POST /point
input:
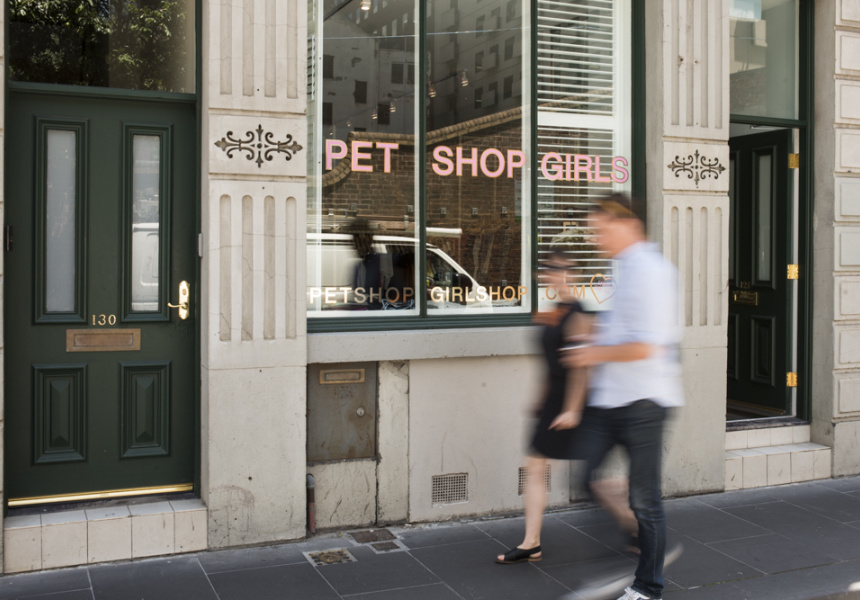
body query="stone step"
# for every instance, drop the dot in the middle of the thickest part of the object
(68, 538)
(776, 465)
(768, 436)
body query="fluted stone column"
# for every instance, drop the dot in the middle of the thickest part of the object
(254, 349)
(687, 131)
(836, 237)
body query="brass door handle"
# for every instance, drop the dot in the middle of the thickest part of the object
(184, 294)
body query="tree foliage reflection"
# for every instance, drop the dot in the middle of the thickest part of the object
(130, 44)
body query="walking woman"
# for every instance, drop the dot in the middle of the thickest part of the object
(559, 406)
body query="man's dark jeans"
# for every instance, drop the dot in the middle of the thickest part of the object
(637, 427)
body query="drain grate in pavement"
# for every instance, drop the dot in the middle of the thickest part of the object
(385, 546)
(372, 535)
(388, 547)
(335, 556)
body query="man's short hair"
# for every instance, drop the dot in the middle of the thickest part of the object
(616, 206)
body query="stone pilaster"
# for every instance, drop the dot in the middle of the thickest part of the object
(254, 350)
(836, 320)
(687, 99)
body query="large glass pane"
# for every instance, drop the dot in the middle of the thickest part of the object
(763, 58)
(146, 210)
(60, 215)
(583, 91)
(362, 236)
(131, 44)
(477, 176)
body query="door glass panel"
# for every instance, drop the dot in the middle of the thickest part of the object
(763, 217)
(146, 209)
(763, 57)
(60, 215)
(129, 44)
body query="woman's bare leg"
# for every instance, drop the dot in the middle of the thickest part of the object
(535, 502)
(613, 496)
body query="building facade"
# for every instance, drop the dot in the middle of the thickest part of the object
(215, 242)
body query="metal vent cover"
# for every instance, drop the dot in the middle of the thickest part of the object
(451, 488)
(523, 478)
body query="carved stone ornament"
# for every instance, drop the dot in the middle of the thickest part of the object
(261, 146)
(697, 167)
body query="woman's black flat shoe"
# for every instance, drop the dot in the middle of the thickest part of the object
(515, 555)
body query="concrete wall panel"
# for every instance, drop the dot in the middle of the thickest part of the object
(255, 462)
(393, 442)
(469, 416)
(345, 493)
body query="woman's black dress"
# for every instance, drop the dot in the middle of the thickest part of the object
(557, 443)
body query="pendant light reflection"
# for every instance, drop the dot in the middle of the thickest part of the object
(464, 81)
(431, 90)
(365, 4)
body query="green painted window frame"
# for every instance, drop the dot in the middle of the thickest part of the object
(80, 128)
(165, 135)
(423, 321)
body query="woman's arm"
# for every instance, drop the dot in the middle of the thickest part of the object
(576, 388)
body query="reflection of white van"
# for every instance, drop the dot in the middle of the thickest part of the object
(338, 278)
(144, 267)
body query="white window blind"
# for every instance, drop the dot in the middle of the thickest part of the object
(583, 96)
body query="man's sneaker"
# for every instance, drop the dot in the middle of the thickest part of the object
(631, 594)
(602, 586)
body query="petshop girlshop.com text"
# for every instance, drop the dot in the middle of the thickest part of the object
(490, 162)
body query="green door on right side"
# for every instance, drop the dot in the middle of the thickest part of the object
(759, 318)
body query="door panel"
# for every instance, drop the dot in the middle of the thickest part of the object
(100, 372)
(759, 249)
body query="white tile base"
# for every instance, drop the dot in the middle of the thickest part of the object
(73, 538)
(759, 466)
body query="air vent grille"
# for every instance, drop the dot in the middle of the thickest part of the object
(451, 488)
(523, 479)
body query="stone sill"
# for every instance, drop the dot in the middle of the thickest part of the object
(86, 536)
(421, 344)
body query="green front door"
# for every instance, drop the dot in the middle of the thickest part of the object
(100, 371)
(758, 353)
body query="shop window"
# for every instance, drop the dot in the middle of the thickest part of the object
(360, 93)
(328, 66)
(496, 18)
(511, 10)
(584, 120)
(383, 111)
(328, 113)
(763, 58)
(491, 97)
(409, 230)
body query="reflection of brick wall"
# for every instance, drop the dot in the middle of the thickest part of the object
(490, 246)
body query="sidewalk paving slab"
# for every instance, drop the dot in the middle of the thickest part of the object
(794, 542)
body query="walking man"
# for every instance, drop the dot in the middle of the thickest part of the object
(636, 378)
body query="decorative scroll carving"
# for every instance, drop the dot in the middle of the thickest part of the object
(260, 146)
(697, 167)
